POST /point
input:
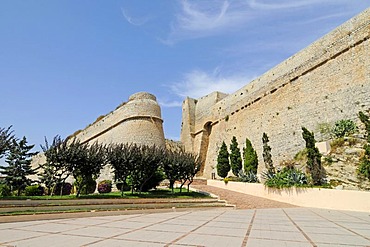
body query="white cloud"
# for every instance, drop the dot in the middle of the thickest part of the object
(285, 4)
(134, 21)
(205, 18)
(165, 103)
(198, 83)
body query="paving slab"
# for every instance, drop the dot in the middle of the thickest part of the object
(245, 227)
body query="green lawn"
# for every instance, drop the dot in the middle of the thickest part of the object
(159, 193)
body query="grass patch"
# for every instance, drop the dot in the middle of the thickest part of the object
(160, 193)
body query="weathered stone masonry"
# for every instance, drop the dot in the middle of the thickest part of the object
(326, 82)
(137, 121)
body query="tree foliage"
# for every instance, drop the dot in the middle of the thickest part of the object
(137, 166)
(366, 121)
(121, 160)
(250, 158)
(19, 165)
(86, 164)
(6, 140)
(181, 166)
(235, 157)
(313, 158)
(223, 165)
(57, 169)
(267, 157)
(71, 157)
(364, 168)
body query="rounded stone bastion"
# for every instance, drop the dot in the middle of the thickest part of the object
(136, 121)
(142, 122)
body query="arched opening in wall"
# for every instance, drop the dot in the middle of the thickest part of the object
(207, 129)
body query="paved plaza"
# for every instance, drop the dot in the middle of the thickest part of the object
(215, 227)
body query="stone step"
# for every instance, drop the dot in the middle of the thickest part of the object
(49, 206)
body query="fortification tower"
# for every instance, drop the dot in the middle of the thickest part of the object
(136, 121)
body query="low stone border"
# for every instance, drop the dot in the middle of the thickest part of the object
(304, 197)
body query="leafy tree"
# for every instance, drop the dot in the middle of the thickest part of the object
(313, 158)
(121, 158)
(173, 166)
(192, 168)
(235, 157)
(223, 165)
(47, 177)
(364, 168)
(6, 137)
(250, 158)
(267, 157)
(57, 168)
(19, 165)
(86, 163)
(180, 166)
(146, 172)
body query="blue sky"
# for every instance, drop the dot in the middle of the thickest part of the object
(64, 63)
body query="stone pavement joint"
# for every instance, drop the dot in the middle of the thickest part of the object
(344, 226)
(134, 230)
(300, 229)
(278, 227)
(245, 240)
(205, 223)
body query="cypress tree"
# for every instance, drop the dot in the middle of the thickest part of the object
(235, 157)
(364, 168)
(313, 157)
(223, 165)
(267, 157)
(250, 158)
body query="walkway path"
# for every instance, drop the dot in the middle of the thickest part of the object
(242, 201)
(298, 227)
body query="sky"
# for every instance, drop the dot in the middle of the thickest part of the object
(64, 63)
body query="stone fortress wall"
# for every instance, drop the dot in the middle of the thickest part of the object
(327, 81)
(136, 121)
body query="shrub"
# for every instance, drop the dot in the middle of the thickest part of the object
(301, 155)
(154, 181)
(66, 189)
(122, 186)
(343, 128)
(285, 178)
(364, 168)
(34, 190)
(250, 177)
(87, 188)
(5, 190)
(334, 144)
(105, 186)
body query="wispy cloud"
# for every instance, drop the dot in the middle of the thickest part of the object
(168, 104)
(136, 21)
(198, 83)
(205, 18)
(285, 4)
